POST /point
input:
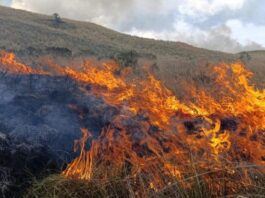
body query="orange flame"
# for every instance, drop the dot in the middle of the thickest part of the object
(10, 65)
(83, 164)
(232, 97)
(224, 122)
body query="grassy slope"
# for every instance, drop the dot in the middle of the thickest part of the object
(23, 31)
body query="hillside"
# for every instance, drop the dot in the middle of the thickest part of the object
(30, 34)
(24, 30)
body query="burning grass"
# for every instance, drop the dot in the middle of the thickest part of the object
(212, 142)
(222, 127)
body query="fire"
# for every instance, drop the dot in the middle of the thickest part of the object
(232, 97)
(161, 137)
(10, 65)
(83, 164)
(148, 95)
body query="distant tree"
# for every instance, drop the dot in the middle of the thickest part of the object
(57, 19)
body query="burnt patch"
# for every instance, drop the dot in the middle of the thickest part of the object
(20, 162)
(60, 96)
(29, 102)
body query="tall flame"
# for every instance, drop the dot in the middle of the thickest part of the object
(231, 97)
(160, 136)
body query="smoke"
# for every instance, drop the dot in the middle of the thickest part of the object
(204, 23)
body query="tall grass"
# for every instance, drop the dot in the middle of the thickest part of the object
(243, 180)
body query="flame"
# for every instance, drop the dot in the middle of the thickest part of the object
(10, 65)
(231, 97)
(86, 158)
(160, 136)
(236, 99)
(149, 95)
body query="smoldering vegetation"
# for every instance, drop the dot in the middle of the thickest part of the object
(38, 127)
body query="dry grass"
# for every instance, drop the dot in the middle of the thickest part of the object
(207, 184)
(57, 186)
(30, 34)
(21, 30)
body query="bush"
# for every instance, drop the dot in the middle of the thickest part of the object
(126, 59)
(57, 19)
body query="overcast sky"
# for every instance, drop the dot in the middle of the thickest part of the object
(226, 25)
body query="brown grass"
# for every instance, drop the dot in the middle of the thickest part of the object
(31, 35)
(246, 180)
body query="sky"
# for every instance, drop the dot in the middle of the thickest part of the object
(224, 25)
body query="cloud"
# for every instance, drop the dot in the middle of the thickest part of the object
(218, 38)
(206, 7)
(103, 12)
(224, 25)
